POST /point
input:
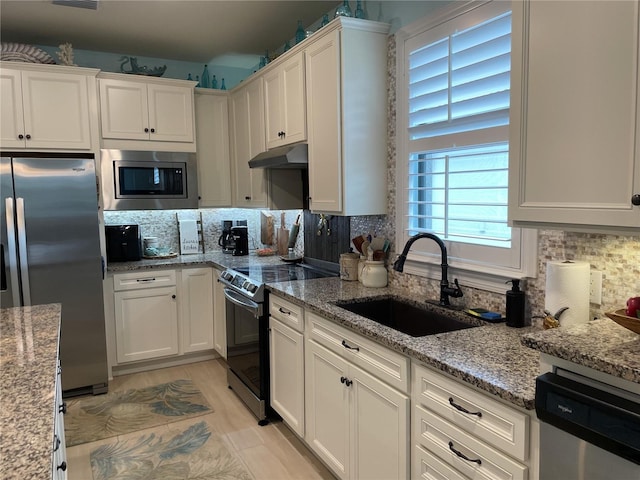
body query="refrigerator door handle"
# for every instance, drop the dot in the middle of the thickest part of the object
(11, 250)
(22, 249)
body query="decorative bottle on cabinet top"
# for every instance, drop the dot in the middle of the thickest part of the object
(343, 10)
(223, 86)
(204, 82)
(214, 82)
(300, 32)
(359, 10)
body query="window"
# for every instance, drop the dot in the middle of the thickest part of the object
(453, 144)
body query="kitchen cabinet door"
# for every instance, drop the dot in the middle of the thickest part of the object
(124, 111)
(140, 109)
(286, 351)
(575, 133)
(327, 408)
(379, 428)
(196, 300)
(285, 111)
(347, 118)
(219, 318)
(146, 323)
(46, 109)
(247, 114)
(212, 148)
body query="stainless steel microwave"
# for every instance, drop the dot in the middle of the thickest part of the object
(140, 180)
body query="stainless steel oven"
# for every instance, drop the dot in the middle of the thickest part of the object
(248, 329)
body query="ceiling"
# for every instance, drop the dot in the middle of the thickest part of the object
(187, 30)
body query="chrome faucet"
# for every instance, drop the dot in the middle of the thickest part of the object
(446, 291)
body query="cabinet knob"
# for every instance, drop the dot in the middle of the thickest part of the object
(63, 466)
(21, 137)
(27, 136)
(173, 296)
(635, 199)
(153, 130)
(146, 130)
(247, 198)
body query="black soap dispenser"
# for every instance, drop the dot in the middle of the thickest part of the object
(515, 305)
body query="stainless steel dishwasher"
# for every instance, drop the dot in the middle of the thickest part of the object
(588, 430)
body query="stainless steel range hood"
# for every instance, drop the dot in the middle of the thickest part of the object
(289, 156)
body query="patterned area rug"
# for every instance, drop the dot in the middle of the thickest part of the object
(184, 452)
(94, 418)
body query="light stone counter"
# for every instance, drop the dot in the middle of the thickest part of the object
(600, 344)
(29, 357)
(491, 356)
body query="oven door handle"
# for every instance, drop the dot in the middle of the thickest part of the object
(242, 301)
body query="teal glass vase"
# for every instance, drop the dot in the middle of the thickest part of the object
(325, 20)
(198, 80)
(214, 82)
(344, 10)
(204, 82)
(300, 32)
(222, 85)
(359, 10)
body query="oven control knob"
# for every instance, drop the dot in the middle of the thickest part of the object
(227, 276)
(252, 288)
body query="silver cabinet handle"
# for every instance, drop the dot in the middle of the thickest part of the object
(13, 253)
(22, 250)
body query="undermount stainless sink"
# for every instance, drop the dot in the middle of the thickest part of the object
(404, 316)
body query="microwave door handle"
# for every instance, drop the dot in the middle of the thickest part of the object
(22, 249)
(237, 299)
(11, 250)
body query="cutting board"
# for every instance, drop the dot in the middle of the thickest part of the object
(283, 237)
(266, 228)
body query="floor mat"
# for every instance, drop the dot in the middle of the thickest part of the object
(182, 452)
(93, 418)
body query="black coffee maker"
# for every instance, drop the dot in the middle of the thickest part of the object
(226, 240)
(240, 236)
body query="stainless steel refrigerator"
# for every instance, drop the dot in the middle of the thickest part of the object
(51, 254)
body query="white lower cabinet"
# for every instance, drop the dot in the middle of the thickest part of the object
(146, 323)
(459, 433)
(219, 318)
(162, 313)
(59, 452)
(286, 360)
(355, 422)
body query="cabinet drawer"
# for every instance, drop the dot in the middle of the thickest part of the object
(146, 279)
(429, 467)
(445, 439)
(387, 365)
(497, 424)
(288, 313)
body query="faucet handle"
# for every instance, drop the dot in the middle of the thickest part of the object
(457, 291)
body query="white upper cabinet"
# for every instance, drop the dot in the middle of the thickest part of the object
(148, 110)
(575, 130)
(47, 107)
(346, 95)
(212, 147)
(285, 116)
(247, 140)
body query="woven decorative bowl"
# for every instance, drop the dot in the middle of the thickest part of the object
(625, 321)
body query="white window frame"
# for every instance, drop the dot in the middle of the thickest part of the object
(424, 257)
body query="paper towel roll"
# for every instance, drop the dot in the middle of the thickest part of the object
(568, 286)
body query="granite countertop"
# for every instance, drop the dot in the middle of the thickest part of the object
(599, 344)
(29, 355)
(491, 357)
